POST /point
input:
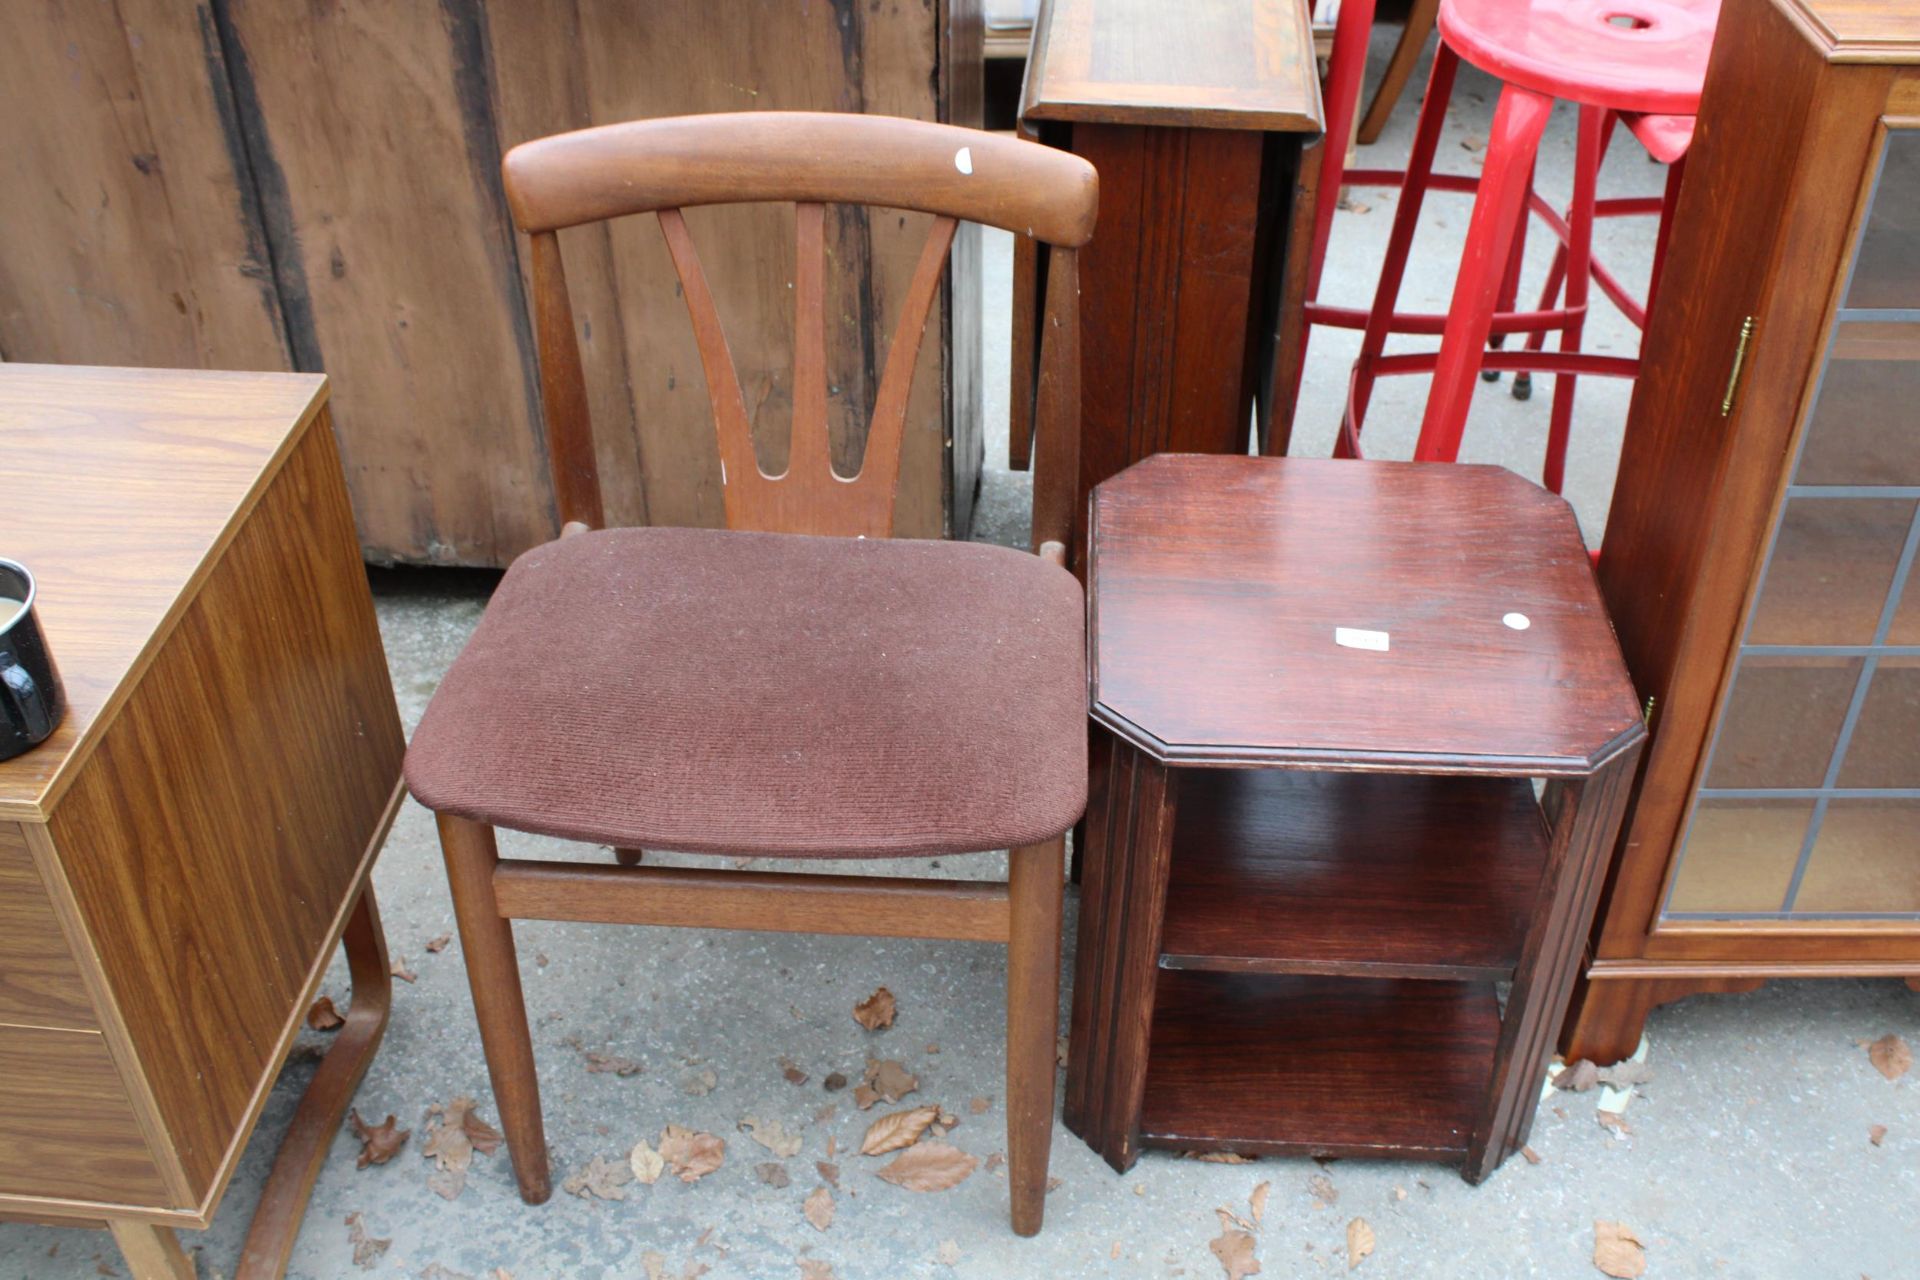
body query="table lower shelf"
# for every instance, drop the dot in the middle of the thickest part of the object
(1317, 1065)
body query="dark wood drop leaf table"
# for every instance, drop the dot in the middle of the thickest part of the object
(1369, 744)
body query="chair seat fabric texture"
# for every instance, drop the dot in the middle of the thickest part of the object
(762, 694)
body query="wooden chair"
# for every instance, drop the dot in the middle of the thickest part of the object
(748, 691)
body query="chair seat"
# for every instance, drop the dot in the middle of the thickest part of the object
(767, 694)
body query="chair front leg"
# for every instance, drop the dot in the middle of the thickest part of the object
(494, 973)
(1034, 892)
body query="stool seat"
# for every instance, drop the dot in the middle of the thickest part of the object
(1646, 56)
(1666, 138)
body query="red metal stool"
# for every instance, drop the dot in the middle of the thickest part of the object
(1640, 62)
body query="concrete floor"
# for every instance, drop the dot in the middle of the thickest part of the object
(1748, 1155)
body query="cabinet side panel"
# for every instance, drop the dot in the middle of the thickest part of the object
(224, 818)
(1760, 232)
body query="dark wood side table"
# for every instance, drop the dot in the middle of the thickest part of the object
(1316, 847)
(1195, 116)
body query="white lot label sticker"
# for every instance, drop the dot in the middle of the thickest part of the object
(963, 159)
(1358, 638)
(1518, 621)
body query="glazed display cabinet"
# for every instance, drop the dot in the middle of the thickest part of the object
(1760, 556)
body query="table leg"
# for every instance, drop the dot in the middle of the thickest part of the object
(151, 1253)
(1116, 961)
(1585, 816)
(304, 1149)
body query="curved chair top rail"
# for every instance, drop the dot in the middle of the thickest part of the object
(804, 156)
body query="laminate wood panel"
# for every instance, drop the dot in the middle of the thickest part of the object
(66, 1128)
(1233, 64)
(39, 983)
(1318, 1066)
(217, 799)
(1227, 565)
(121, 486)
(1380, 875)
(131, 236)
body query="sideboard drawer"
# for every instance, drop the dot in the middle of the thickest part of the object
(67, 1130)
(39, 984)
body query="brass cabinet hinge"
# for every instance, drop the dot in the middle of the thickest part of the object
(1646, 712)
(1739, 363)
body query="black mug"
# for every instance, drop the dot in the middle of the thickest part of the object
(30, 701)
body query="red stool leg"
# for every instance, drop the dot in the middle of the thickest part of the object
(1406, 218)
(1518, 123)
(1345, 71)
(1557, 273)
(1594, 122)
(1510, 284)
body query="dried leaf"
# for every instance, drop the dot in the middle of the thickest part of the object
(890, 1080)
(875, 1013)
(1359, 1242)
(834, 1082)
(400, 970)
(691, 1156)
(994, 1161)
(1235, 1251)
(815, 1269)
(700, 1083)
(791, 1070)
(1533, 1157)
(1617, 1251)
(929, 1166)
(646, 1163)
(1577, 1077)
(654, 1264)
(366, 1249)
(1257, 1201)
(864, 1097)
(1625, 1074)
(447, 1183)
(897, 1130)
(980, 1106)
(819, 1208)
(948, 1254)
(772, 1135)
(603, 1064)
(324, 1017)
(604, 1178)
(441, 1271)
(1614, 1122)
(1217, 1157)
(1889, 1054)
(1229, 1220)
(379, 1143)
(1877, 1134)
(831, 1172)
(484, 1137)
(1324, 1193)
(773, 1174)
(439, 944)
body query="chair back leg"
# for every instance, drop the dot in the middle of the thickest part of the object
(1035, 885)
(486, 939)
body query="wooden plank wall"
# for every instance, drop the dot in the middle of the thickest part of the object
(253, 184)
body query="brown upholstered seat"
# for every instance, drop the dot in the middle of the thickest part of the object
(767, 694)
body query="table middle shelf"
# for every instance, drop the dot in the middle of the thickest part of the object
(1352, 874)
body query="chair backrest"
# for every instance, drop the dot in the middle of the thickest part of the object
(811, 159)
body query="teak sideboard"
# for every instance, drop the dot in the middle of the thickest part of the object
(1760, 559)
(179, 859)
